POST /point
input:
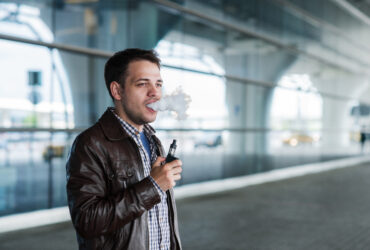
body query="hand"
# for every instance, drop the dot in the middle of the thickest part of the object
(166, 175)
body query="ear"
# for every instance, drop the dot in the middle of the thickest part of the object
(116, 90)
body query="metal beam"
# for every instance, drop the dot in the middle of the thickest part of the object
(63, 47)
(243, 30)
(353, 11)
(321, 24)
(104, 54)
(233, 130)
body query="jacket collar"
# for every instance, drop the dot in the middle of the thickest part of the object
(113, 129)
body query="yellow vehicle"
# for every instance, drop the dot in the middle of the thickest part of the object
(355, 136)
(297, 139)
(53, 151)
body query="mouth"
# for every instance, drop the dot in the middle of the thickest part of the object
(151, 101)
(151, 110)
(147, 105)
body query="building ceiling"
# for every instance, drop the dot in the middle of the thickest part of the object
(362, 5)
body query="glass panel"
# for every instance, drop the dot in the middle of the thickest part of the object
(32, 167)
(238, 122)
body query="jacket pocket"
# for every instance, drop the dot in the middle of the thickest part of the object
(124, 169)
(122, 174)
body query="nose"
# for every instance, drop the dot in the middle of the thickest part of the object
(153, 91)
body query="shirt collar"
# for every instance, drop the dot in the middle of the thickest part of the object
(148, 130)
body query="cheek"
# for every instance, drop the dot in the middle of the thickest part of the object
(132, 97)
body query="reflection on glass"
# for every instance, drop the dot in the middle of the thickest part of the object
(27, 161)
(291, 109)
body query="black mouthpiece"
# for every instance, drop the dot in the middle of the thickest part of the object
(173, 145)
(171, 152)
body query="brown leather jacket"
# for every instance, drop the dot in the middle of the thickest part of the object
(108, 196)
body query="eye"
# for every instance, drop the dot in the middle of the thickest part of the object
(140, 84)
(159, 85)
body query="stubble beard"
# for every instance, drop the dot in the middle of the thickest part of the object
(135, 117)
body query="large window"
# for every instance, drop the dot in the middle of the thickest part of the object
(35, 90)
(271, 85)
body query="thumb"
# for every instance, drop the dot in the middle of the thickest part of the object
(158, 161)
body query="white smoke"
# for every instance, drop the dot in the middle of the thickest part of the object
(178, 101)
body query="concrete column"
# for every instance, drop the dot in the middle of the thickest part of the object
(249, 105)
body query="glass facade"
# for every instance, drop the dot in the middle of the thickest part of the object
(273, 83)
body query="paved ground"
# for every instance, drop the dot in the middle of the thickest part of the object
(329, 210)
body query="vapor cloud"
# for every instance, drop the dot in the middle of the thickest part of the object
(178, 102)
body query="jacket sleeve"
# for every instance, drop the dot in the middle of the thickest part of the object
(93, 210)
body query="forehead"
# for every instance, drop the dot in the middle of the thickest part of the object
(142, 68)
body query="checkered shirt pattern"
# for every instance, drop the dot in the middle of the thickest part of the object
(159, 228)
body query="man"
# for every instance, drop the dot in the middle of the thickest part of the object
(119, 187)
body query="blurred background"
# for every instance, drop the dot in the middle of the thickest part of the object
(273, 83)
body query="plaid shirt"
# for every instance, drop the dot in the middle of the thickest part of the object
(159, 228)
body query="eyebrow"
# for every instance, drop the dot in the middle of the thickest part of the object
(147, 80)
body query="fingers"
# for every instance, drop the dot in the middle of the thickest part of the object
(174, 167)
(174, 163)
(176, 170)
(166, 174)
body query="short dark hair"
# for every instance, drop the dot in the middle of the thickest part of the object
(116, 67)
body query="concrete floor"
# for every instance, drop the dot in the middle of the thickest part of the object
(329, 210)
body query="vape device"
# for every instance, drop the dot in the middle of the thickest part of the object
(171, 152)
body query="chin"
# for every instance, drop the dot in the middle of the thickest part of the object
(151, 118)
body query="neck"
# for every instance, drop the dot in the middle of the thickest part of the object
(122, 114)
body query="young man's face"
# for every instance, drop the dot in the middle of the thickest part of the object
(143, 85)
